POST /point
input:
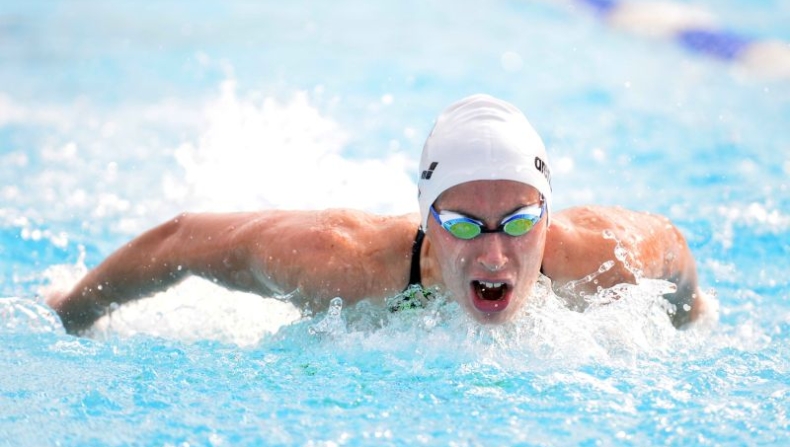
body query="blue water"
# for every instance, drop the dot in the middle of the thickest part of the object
(116, 116)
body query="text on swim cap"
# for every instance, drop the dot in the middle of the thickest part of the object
(541, 166)
(426, 175)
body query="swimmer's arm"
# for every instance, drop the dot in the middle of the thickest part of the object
(157, 259)
(304, 255)
(576, 249)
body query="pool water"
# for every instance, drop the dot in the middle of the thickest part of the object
(117, 116)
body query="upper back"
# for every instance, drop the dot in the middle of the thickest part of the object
(335, 252)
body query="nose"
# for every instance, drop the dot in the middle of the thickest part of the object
(492, 254)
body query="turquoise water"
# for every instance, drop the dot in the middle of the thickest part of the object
(114, 117)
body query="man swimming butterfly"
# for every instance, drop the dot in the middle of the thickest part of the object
(485, 232)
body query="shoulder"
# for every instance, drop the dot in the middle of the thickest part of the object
(594, 217)
(294, 231)
(354, 254)
(581, 238)
(349, 224)
(589, 225)
(369, 234)
(575, 242)
(298, 229)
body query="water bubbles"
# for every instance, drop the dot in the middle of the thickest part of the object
(599, 155)
(335, 306)
(606, 266)
(25, 315)
(333, 323)
(622, 254)
(198, 310)
(65, 153)
(576, 287)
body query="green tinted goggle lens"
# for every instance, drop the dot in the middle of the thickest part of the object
(463, 230)
(463, 227)
(518, 226)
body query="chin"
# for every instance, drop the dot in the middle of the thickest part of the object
(486, 309)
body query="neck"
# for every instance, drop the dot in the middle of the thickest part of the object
(429, 265)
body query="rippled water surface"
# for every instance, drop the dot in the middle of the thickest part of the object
(116, 116)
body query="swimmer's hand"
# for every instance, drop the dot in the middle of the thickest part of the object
(53, 298)
(76, 315)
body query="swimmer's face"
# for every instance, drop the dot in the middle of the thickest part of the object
(492, 275)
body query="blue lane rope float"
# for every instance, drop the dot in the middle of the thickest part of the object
(697, 31)
(720, 44)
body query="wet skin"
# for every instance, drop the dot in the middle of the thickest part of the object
(492, 275)
(313, 256)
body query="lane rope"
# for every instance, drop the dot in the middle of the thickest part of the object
(696, 30)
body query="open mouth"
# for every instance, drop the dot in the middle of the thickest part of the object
(490, 291)
(490, 296)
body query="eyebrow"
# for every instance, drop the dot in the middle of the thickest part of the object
(509, 213)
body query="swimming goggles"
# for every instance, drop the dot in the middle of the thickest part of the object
(516, 224)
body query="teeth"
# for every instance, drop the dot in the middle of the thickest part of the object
(492, 285)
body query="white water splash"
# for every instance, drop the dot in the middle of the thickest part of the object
(617, 325)
(333, 323)
(25, 315)
(263, 153)
(622, 254)
(546, 333)
(197, 309)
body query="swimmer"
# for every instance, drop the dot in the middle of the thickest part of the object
(485, 232)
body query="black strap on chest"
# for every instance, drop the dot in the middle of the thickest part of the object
(415, 277)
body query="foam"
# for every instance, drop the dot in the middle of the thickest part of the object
(260, 154)
(196, 310)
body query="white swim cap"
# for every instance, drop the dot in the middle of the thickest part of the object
(481, 138)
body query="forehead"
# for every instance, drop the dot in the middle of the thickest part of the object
(488, 196)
